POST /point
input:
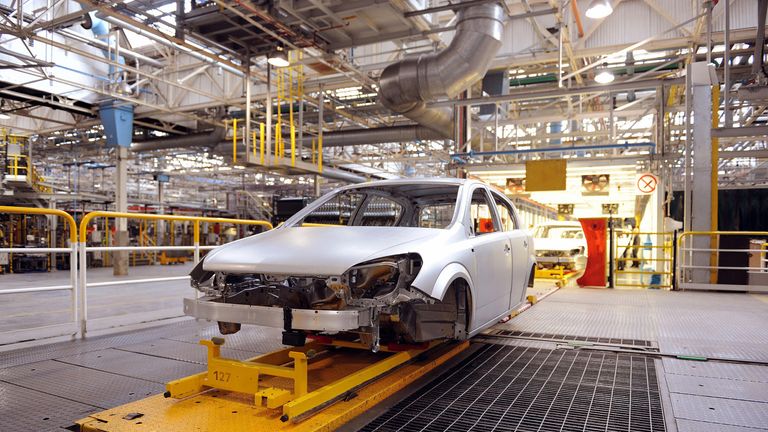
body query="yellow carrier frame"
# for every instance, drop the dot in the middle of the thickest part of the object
(316, 387)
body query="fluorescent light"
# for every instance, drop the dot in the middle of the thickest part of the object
(4, 116)
(278, 59)
(599, 9)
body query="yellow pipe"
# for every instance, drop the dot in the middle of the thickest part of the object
(289, 73)
(88, 217)
(293, 144)
(234, 140)
(51, 212)
(262, 130)
(314, 157)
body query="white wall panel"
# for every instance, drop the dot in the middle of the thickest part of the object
(519, 36)
(743, 15)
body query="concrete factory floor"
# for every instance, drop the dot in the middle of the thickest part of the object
(47, 387)
(28, 310)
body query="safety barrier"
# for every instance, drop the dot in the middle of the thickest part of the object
(78, 251)
(83, 250)
(650, 263)
(742, 265)
(70, 327)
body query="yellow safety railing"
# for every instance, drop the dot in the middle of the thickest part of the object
(84, 249)
(196, 220)
(48, 212)
(47, 331)
(78, 263)
(658, 265)
(698, 261)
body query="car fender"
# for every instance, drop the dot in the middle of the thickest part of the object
(450, 273)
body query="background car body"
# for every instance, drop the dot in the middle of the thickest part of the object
(560, 243)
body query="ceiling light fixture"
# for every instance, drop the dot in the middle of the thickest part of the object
(278, 59)
(604, 76)
(4, 116)
(599, 9)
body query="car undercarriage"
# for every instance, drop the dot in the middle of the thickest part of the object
(396, 311)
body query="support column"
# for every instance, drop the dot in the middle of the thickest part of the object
(268, 103)
(52, 222)
(248, 103)
(703, 77)
(120, 259)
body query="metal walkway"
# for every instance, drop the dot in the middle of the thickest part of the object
(532, 389)
(47, 388)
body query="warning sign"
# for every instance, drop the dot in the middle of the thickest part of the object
(646, 183)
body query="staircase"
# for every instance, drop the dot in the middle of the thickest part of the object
(251, 206)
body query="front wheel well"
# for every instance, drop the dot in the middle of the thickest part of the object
(458, 292)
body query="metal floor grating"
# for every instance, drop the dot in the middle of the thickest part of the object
(560, 337)
(518, 388)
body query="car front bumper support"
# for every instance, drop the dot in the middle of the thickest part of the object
(556, 260)
(302, 319)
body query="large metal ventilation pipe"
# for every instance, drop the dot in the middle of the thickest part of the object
(206, 139)
(375, 136)
(407, 86)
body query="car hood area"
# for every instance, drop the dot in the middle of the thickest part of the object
(548, 244)
(325, 251)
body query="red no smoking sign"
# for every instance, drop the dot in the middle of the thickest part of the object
(646, 183)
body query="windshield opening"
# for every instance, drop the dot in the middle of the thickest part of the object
(402, 205)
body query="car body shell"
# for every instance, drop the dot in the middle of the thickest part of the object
(567, 252)
(496, 266)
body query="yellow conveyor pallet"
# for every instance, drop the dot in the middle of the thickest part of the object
(342, 381)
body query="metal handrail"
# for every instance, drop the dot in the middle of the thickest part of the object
(714, 265)
(72, 250)
(78, 250)
(49, 212)
(667, 270)
(83, 248)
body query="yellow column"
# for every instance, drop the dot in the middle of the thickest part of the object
(293, 144)
(262, 130)
(234, 140)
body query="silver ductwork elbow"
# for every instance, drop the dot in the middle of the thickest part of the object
(407, 86)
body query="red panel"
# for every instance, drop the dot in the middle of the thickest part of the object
(595, 231)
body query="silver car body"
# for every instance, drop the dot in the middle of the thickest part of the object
(561, 243)
(496, 266)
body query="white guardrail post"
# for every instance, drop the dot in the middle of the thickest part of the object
(82, 302)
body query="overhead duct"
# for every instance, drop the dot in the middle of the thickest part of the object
(209, 139)
(407, 86)
(375, 136)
